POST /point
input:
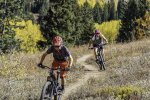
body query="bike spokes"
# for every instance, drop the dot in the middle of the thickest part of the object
(47, 91)
(100, 61)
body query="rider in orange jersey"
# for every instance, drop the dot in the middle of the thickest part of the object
(62, 57)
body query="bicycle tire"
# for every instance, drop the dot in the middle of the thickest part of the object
(57, 97)
(101, 60)
(47, 91)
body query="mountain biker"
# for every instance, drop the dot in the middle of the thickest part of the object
(62, 57)
(96, 40)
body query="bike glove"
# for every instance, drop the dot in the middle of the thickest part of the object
(67, 69)
(40, 65)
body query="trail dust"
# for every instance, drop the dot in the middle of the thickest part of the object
(92, 71)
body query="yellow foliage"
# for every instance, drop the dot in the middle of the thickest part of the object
(29, 35)
(92, 2)
(143, 27)
(121, 91)
(109, 29)
(81, 2)
(102, 3)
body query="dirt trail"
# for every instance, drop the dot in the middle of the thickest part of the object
(92, 71)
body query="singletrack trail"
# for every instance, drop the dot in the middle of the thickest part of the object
(92, 71)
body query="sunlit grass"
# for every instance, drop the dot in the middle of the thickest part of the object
(21, 79)
(127, 74)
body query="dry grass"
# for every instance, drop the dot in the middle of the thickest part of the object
(127, 74)
(127, 77)
(20, 79)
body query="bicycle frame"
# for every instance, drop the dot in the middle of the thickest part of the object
(100, 57)
(55, 80)
(54, 84)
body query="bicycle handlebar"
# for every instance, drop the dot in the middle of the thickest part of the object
(99, 45)
(43, 66)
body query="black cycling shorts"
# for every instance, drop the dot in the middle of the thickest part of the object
(96, 45)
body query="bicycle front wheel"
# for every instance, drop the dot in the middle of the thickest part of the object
(101, 60)
(47, 91)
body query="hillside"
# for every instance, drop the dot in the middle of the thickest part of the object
(127, 74)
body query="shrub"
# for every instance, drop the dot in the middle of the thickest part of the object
(109, 29)
(29, 34)
(143, 27)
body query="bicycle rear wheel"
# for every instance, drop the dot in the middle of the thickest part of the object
(47, 91)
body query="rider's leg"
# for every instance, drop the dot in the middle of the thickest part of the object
(102, 53)
(55, 65)
(63, 74)
(63, 82)
(95, 53)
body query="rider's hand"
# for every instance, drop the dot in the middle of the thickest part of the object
(90, 47)
(67, 69)
(40, 65)
(106, 42)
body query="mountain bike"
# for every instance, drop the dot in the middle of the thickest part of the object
(100, 57)
(52, 88)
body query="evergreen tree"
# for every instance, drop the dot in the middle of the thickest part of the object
(112, 10)
(105, 12)
(121, 8)
(127, 30)
(9, 10)
(143, 7)
(36, 6)
(87, 23)
(59, 19)
(67, 19)
(97, 13)
(44, 7)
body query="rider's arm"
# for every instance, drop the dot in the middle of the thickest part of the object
(102, 36)
(43, 57)
(70, 60)
(45, 54)
(90, 42)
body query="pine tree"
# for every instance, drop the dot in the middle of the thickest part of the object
(143, 7)
(127, 31)
(87, 23)
(112, 10)
(67, 19)
(97, 13)
(105, 12)
(59, 19)
(44, 7)
(121, 8)
(9, 10)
